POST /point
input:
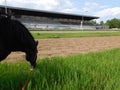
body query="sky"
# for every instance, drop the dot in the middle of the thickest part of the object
(105, 9)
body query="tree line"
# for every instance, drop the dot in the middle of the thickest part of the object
(113, 23)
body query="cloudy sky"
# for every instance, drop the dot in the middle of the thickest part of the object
(105, 9)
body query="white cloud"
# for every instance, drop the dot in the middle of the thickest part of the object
(2, 1)
(92, 6)
(36, 4)
(70, 10)
(66, 6)
(53, 5)
(102, 11)
(108, 13)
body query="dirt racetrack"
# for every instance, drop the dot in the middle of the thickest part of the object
(68, 46)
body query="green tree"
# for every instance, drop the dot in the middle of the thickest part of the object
(101, 23)
(113, 23)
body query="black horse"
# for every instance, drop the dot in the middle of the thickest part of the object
(14, 36)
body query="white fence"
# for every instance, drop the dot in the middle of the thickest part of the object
(57, 26)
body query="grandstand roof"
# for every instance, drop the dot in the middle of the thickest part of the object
(41, 13)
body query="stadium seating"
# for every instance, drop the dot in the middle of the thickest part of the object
(42, 22)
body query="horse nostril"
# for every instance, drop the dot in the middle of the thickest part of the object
(33, 65)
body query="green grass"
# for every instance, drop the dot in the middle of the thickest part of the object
(75, 34)
(92, 71)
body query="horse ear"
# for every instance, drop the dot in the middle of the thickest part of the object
(36, 42)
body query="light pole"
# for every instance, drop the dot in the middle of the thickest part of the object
(6, 7)
(81, 24)
(82, 20)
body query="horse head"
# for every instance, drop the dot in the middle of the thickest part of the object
(31, 55)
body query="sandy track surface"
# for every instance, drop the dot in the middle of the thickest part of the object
(69, 46)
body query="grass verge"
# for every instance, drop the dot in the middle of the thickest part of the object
(39, 35)
(92, 71)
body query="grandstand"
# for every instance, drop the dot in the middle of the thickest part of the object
(51, 23)
(50, 20)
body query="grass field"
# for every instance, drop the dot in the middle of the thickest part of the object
(91, 71)
(71, 34)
